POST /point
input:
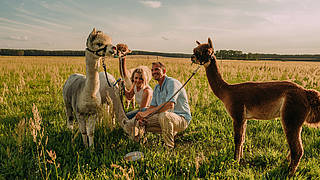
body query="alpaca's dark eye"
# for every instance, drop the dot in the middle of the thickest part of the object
(99, 44)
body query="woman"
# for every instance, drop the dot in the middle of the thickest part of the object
(141, 90)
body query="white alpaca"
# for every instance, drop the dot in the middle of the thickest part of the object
(81, 93)
(105, 99)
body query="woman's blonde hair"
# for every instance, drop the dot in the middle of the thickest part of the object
(141, 72)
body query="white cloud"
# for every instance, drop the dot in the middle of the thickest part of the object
(152, 4)
(39, 18)
(164, 38)
(19, 38)
(44, 22)
(9, 22)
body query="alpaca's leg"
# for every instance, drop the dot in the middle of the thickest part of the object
(244, 127)
(293, 135)
(127, 103)
(133, 102)
(109, 109)
(239, 128)
(296, 148)
(292, 118)
(288, 156)
(83, 130)
(70, 117)
(90, 128)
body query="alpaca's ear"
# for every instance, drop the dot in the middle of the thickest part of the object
(93, 35)
(198, 42)
(94, 31)
(210, 43)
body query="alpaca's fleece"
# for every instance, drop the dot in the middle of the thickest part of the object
(81, 93)
(104, 86)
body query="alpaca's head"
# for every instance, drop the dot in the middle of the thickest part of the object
(122, 50)
(131, 127)
(100, 44)
(203, 53)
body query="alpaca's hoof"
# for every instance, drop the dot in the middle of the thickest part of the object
(288, 156)
(291, 174)
(70, 125)
(292, 171)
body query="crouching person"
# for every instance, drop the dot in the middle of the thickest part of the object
(167, 118)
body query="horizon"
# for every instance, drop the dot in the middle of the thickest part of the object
(255, 26)
(160, 51)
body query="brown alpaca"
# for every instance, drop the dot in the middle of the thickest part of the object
(262, 100)
(122, 51)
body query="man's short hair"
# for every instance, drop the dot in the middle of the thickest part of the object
(162, 66)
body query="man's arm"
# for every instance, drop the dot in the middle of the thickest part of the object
(152, 109)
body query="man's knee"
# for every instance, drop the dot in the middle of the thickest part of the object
(163, 118)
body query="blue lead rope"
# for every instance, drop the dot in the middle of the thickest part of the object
(116, 82)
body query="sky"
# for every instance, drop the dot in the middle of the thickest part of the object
(256, 26)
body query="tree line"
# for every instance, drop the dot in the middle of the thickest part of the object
(35, 52)
(239, 55)
(220, 54)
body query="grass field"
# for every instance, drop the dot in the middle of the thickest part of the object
(36, 144)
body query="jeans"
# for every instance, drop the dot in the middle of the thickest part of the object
(133, 113)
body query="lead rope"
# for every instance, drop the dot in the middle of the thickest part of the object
(122, 93)
(119, 81)
(105, 70)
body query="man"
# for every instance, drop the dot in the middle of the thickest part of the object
(167, 117)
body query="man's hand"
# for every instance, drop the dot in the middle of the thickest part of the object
(140, 117)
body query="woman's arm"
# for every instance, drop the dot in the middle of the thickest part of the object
(129, 94)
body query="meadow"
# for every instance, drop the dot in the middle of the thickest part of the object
(36, 144)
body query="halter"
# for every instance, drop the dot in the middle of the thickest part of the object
(104, 49)
(211, 58)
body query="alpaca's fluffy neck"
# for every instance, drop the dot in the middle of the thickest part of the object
(92, 75)
(123, 67)
(124, 72)
(217, 84)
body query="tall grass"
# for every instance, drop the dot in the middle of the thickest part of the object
(36, 144)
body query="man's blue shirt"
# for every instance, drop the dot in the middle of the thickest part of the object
(163, 94)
